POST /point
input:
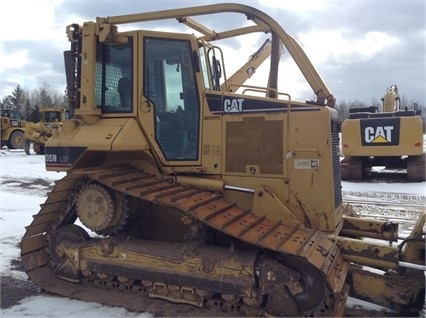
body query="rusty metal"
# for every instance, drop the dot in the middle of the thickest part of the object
(369, 253)
(376, 229)
(391, 290)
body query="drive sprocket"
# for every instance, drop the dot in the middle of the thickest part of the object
(99, 209)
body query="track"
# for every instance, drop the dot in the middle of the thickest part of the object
(204, 206)
(411, 169)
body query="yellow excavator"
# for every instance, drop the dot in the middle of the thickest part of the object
(190, 188)
(391, 138)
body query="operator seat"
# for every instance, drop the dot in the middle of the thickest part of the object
(125, 90)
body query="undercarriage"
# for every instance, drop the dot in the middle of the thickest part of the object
(215, 256)
(411, 168)
(120, 236)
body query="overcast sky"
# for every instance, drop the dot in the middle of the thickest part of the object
(359, 47)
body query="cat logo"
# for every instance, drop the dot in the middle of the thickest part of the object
(234, 105)
(380, 131)
(378, 134)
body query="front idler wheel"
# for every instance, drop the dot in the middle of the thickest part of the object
(313, 296)
(292, 286)
(58, 244)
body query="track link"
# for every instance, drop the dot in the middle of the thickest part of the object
(203, 205)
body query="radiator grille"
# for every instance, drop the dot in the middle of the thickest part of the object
(254, 142)
(337, 183)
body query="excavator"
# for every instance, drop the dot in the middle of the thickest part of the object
(189, 189)
(391, 137)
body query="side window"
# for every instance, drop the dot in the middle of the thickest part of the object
(203, 62)
(113, 86)
(169, 84)
(211, 67)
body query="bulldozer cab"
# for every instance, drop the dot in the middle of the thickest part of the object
(169, 104)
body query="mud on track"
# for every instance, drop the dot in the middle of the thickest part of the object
(14, 290)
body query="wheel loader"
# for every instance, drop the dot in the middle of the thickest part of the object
(391, 138)
(214, 196)
(37, 133)
(12, 129)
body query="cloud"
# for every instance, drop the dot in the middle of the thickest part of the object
(344, 46)
(300, 7)
(358, 47)
(13, 60)
(33, 20)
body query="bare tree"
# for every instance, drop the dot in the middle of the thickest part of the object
(342, 110)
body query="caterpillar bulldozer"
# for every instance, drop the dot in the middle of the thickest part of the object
(391, 138)
(12, 129)
(37, 133)
(214, 196)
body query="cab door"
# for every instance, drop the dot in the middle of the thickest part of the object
(170, 103)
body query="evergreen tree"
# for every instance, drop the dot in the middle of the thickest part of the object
(35, 114)
(18, 99)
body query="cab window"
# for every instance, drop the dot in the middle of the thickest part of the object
(113, 84)
(169, 85)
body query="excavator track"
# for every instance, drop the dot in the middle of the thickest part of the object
(358, 168)
(351, 168)
(206, 207)
(416, 168)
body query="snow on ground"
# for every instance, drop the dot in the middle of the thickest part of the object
(51, 307)
(18, 203)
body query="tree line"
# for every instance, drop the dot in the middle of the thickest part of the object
(28, 103)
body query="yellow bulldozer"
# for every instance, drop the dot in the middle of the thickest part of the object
(221, 197)
(37, 133)
(390, 138)
(12, 129)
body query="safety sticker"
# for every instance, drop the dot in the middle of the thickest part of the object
(306, 163)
